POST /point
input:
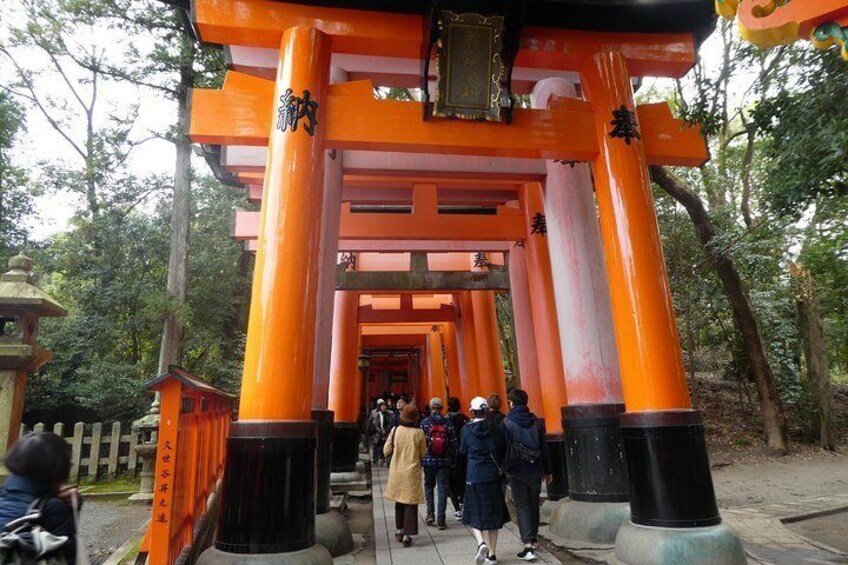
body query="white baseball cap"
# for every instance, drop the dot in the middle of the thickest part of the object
(380, 401)
(479, 403)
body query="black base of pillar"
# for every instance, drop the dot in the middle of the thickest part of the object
(324, 455)
(670, 481)
(268, 494)
(597, 471)
(345, 447)
(558, 487)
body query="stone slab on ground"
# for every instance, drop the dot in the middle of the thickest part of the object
(454, 546)
(337, 502)
(831, 529)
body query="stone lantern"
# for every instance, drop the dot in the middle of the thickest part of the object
(22, 304)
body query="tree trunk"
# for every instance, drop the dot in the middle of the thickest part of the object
(174, 327)
(774, 419)
(815, 355)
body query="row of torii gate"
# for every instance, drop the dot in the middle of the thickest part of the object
(555, 207)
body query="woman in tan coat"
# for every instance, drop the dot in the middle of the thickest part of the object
(407, 448)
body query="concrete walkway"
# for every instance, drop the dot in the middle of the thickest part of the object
(454, 546)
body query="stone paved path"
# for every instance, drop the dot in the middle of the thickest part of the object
(454, 546)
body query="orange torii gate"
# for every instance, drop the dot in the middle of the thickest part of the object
(297, 113)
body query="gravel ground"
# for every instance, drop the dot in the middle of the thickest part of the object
(106, 525)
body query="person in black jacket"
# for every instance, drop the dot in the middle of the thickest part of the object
(457, 472)
(527, 463)
(39, 464)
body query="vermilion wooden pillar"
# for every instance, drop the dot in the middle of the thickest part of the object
(268, 495)
(437, 369)
(525, 336)
(468, 342)
(452, 350)
(670, 482)
(551, 377)
(323, 416)
(345, 381)
(490, 362)
(596, 468)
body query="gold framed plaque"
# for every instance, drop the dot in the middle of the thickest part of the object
(469, 67)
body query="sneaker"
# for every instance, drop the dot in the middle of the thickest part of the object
(407, 541)
(457, 515)
(399, 536)
(482, 552)
(527, 554)
(443, 526)
(491, 560)
(430, 520)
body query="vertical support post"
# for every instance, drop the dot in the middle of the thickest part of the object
(671, 488)
(94, 452)
(468, 338)
(114, 448)
(452, 349)
(492, 377)
(344, 376)
(161, 524)
(525, 337)
(331, 217)
(12, 396)
(268, 494)
(551, 376)
(437, 368)
(76, 451)
(597, 473)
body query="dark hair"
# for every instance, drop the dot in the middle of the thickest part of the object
(42, 456)
(494, 401)
(517, 396)
(453, 404)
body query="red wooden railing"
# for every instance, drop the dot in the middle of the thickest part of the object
(193, 423)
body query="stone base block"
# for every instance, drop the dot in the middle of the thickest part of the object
(596, 523)
(647, 545)
(360, 466)
(141, 498)
(338, 502)
(547, 510)
(333, 532)
(347, 482)
(315, 555)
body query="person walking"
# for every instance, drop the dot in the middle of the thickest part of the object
(378, 430)
(441, 453)
(494, 401)
(39, 463)
(407, 447)
(456, 480)
(484, 510)
(527, 464)
(401, 402)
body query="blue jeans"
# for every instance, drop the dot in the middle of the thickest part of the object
(434, 476)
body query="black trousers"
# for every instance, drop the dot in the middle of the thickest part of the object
(526, 490)
(406, 518)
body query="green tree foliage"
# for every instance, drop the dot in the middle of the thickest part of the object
(15, 193)
(108, 345)
(805, 129)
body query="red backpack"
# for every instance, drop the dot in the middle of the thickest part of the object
(438, 440)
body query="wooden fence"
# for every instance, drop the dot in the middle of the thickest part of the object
(98, 454)
(193, 426)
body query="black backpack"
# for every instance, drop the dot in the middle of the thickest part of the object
(25, 542)
(524, 444)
